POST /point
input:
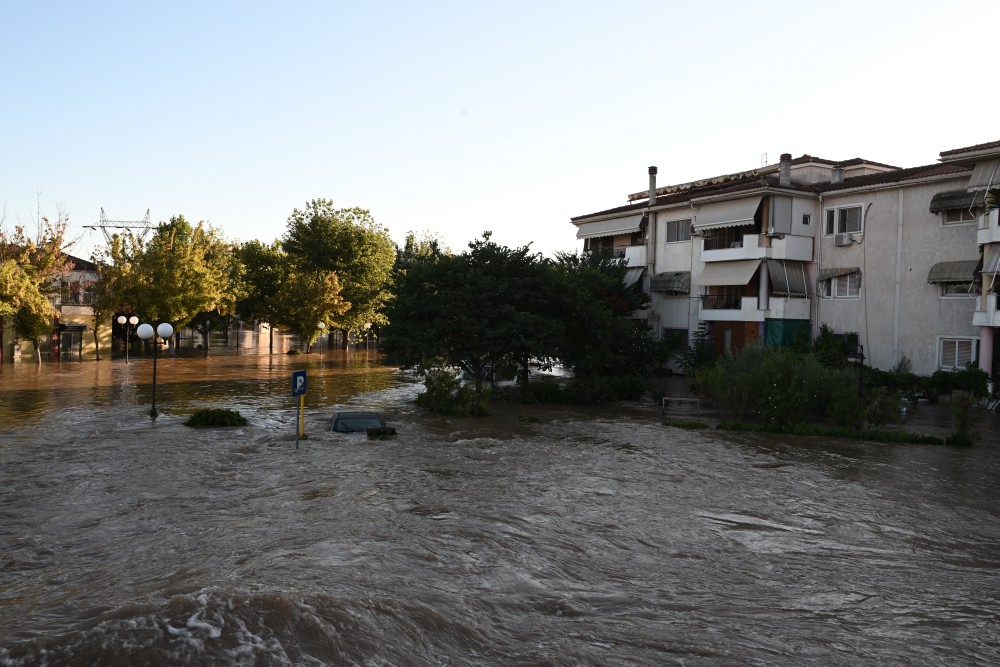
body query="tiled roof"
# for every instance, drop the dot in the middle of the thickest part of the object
(897, 176)
(970, 149)
(81, 264)
(757, 181)
(860, 160)
(749, 183)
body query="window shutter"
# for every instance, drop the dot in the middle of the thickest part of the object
(963, 353)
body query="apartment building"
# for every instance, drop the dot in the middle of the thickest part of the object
(886, 255)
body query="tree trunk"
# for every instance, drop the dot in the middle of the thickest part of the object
(97, 345)
(38, 351)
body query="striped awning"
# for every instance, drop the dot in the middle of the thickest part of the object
(632, 275)
(672, 281)
(734, 213)
(727, 273)
(827, 274)
(627, 225)
(957, 199)
(953, 272)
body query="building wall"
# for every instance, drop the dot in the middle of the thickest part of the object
(898, 313)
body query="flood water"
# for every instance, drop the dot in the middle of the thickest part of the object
(538, 536)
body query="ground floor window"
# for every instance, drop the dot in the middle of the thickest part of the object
(842, 287)
(957, 352)
(678, 338)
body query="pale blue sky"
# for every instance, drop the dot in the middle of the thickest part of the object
(461, 117)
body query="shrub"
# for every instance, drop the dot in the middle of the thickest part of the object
(445, 394)
(215, 417)
(972, 379)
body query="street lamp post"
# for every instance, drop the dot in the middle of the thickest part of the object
(322, 328)
(145, 332)
(131, 321)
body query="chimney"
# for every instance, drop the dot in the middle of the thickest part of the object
(785, 170)
(838, 175)
(652, 186)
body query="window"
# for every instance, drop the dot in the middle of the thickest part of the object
(842, 287)
(678, 230)
(843, 220)
(677, 338)
(956, 352)
(807, 219)
(958, 216)
(953, 290)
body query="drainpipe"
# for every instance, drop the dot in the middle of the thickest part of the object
(651, 241)
(899, 272)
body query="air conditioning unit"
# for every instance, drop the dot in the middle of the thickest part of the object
(841, 239)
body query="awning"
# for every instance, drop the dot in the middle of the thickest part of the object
(985, 175)
(953, 272)
(956, 199)
(992, 265)
(827, 274)
(675, 281)
(728, 273)
(632, 275)
(787, 277)
(734, 213)
(589, 230)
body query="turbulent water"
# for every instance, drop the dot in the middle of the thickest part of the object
(537, 536)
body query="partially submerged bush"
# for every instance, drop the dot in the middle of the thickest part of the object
(215, 417)
(779, 387)
(446, 394)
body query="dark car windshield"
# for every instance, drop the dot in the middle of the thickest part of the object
(360, 422)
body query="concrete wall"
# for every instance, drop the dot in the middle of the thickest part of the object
(898, 313)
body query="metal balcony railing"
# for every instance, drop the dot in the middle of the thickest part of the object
(721, 302)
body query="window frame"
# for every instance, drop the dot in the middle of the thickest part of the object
(956, 341)
(675, 228)
(853, 279)
(955, 291)
(975, 213)
(833, 225)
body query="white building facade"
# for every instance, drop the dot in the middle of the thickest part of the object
(890, 257)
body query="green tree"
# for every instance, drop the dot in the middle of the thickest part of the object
(595, 294)
(29, 272)
(181, 271)
(308, 298)
(351, 244)
(265, 271)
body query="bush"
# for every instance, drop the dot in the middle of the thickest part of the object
(779, 387)
(445, 394)
(216, 417)
(972, 379)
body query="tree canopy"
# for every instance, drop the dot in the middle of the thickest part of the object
(29, 269)
(348, 242)
(183, 270)
(494, 305)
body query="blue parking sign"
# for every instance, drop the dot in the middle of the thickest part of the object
(298, 383)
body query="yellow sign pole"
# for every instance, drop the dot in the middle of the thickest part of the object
(302, 416)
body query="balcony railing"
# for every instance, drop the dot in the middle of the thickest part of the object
(721, 302)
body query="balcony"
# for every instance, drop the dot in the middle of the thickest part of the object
(724, 308)
(757, 246)
(788, 308)
(989, 317)
(989, 228)
(635, 255)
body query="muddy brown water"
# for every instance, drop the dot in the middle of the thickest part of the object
(537, 536)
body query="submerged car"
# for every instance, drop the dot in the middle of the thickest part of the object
(356, 422)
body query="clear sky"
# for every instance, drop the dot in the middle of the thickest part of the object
(456, 118)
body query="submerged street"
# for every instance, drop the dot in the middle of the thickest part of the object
(542, 535)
